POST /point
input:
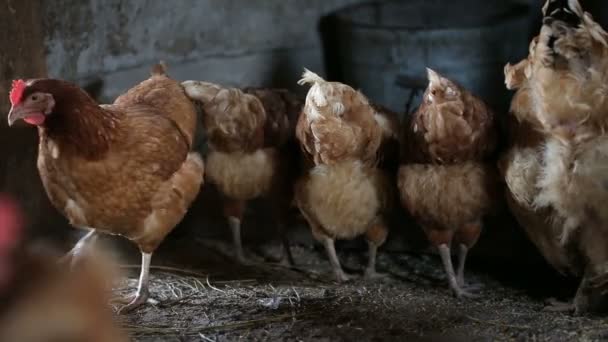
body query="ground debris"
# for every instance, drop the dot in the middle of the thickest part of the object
(211, 301)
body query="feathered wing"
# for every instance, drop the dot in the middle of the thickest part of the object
(166, 98)
(282, 110)
(332, 106)
(521, 167)
(453, 131)
(234, 120)
(388, 152)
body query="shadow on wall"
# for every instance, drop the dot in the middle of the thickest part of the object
(368, 46)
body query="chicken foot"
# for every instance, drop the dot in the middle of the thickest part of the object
(375, 235)
(284, 255)
(140, 297)
(554, 305)
(341, 276)
(446, 258)
(600, 282)
(582, 301)
(370, 270)
(80, 248)
(462, 257)
(287, 249)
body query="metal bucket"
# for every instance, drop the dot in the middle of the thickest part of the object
(370, 46)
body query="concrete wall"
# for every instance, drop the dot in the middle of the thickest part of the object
(235, 42)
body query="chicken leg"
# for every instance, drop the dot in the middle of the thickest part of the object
(446, 258)
(80, 248)
(141, 295)
(333, 259)
(582, 300)
(375, 235)
(370, 270)
(462, 256)
(287, 256)
(235, 229)
(283, 255)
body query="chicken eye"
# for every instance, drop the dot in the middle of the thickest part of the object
(34, 98)
(433, 92)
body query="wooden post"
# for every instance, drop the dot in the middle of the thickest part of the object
(22, 55)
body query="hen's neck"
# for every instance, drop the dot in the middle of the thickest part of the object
(79, 124)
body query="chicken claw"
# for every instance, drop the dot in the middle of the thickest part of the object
(554, 305)
(370, 271)
(460, 274)
(136, 300)
(462, 293)
(140, 297)
(446, 258)
(600, 282)
(341, 276)
(372, 274)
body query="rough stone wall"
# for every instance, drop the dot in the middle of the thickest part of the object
(235, 42)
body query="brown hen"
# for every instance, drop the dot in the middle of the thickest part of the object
(446, 182)
(343, 193)
(251, 150)
(125, 168)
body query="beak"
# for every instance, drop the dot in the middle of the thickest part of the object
(16, 114)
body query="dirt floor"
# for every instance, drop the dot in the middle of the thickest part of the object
(211, 298)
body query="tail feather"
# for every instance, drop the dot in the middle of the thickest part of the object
(569, 12)
(309, 77)
(159, 69)
(201, 91)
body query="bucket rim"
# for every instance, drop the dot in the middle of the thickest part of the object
(518, 11)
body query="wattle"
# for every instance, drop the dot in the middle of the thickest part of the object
(35, 119)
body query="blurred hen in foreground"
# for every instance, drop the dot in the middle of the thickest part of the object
(41, 301)
(343, 193)
(125, 168)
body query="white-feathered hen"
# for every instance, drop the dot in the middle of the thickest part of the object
(563, 95)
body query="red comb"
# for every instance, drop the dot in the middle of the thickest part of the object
(17, 91)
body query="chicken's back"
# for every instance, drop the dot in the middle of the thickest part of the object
(454, 131)
(166, 96)
(282, 109)
(337, 123)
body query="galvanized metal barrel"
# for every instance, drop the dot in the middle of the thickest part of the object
(369, 46)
